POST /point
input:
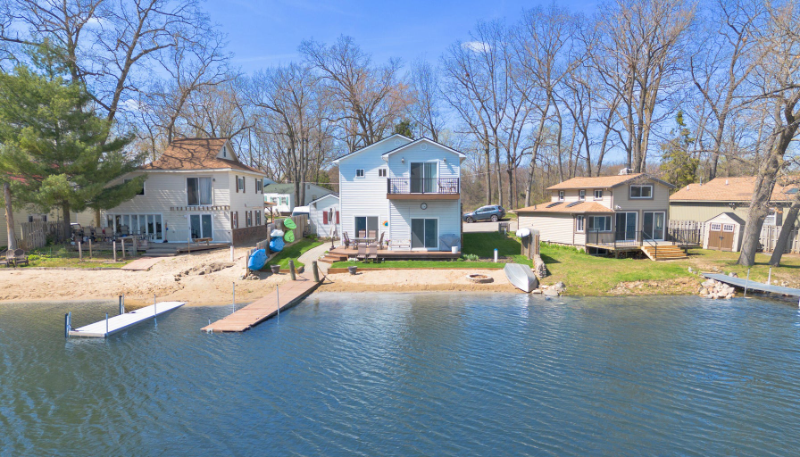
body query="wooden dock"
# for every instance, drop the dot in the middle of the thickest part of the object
(285, 296)
(118, 323)
(753, 285)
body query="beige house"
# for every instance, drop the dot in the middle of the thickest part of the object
(702, 201)
(628, 212)
(196, 189)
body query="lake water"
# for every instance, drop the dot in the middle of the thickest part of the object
(410, 374)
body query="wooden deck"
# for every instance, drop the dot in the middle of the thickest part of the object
(289, 293)
(401, 255)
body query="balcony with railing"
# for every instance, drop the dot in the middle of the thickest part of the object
(419, 188)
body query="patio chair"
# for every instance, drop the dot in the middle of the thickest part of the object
(9, 256)
(373, 235)
(372, 252)
(362, 233)
(346, 240)
(20, 257)
(362, 252)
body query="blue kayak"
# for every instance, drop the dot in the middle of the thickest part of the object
(257, 260)
(276, 244)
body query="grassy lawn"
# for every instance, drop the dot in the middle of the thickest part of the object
(62, 257)
(292, 252)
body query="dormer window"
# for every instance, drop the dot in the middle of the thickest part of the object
(561, 195)
(598, 194)
(224, 152)
(582, 195)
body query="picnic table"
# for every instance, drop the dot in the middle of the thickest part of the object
(200, 240)
(364, 240)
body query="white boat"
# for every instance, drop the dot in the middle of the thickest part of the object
(521, 276)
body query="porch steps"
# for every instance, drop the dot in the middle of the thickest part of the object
(664, 252)
(330, 258)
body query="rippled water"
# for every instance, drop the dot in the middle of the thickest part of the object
(413, 374)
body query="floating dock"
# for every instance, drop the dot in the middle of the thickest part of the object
(752, 285)
(118, 323)
(285, 296)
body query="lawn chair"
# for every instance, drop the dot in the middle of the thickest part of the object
(3, 259)
(346, 240)
(372, 252)
(362, 252)
(20, 257)
(380, 243)
(373, 235)
(362, 233)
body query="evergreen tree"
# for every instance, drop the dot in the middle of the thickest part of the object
(58, 148)
(677, 164)
(404, 128)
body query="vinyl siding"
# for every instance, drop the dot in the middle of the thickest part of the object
(573, 195)
(553, 228)
(315, 216)
(448, 212)
(448, 161)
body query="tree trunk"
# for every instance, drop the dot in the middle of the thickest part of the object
(786, 231)
(488, 153)
(97, 217)
(66, 227)
(499, 175)
(12, 238)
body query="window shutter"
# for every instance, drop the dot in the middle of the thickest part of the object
(324, 218)
(243, 185)
(237, 184)
(337, 217)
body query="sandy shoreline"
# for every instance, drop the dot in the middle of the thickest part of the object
(215, 288)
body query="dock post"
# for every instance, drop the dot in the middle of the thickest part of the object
(278, 298)
(67, 324)
(234, 296)
(90, 248)
(291, 270)
(106, 324)
(114, 250)
(769, 278)
(745, 284)
(80, 252)
(123, 248)
(121, 306)
(315, 269)
(232, 254)
(495, 256)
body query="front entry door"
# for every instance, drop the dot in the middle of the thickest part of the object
(626, 226)
(653, 225)
(201, 226)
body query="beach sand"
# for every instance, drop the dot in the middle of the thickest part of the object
(215, 288)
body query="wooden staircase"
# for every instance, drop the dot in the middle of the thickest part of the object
(664, 252)
(330, 258)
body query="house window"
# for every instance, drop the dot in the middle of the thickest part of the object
(579, 223)
(284, 201)
(716, 227)
(359, 173)
(258, 217)
(259, 186)
(240, 183)
(642, 191)
(141, 192)
(275, 200)
(248, 218)
(224, 152)
(561, 195)
(727, 228)
(599, 223)
(198, 191)
(598, 194)
(382, 172)
(581, 195)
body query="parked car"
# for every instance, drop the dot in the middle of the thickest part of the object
(485, 213)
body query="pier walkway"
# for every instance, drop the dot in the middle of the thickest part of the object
(752, 285)
(285, 296)
(115, 324)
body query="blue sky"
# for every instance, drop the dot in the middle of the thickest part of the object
(262, 33)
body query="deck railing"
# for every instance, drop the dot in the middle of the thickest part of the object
(448, 186)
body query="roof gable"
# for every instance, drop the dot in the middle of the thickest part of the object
(197, 154)
(384, 142)
(729, 217)
(737, 189)
(425, 141)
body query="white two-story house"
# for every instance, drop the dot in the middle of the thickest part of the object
(196, 189)
(624, 212)
(409, 190)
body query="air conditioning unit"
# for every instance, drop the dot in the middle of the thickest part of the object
(625, 171)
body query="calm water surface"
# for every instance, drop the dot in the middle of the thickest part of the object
(413, 374)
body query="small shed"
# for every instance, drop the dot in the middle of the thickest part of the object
(724, 232)
(323, 216)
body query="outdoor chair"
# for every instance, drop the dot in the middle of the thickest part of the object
(372, 252)
(9, 256)
(373, 235)
(346, 240)
(20, 257)
(362, 233)
(362, 252)
(3, 258)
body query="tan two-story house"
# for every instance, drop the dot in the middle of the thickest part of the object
(604, 213)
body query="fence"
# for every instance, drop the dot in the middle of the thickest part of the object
(34, 234)
(696, 231)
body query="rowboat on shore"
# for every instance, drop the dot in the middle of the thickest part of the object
(521, 276)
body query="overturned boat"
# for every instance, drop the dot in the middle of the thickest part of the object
(521, 276)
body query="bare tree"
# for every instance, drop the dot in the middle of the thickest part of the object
(426, 111)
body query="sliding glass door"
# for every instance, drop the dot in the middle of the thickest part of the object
(366, 225)
(201, 226)
(425, 233)
(424, 177)
(626, 226)
(653, 225)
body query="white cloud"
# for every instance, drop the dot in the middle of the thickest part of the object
(131, 105)
(476, 46)
(95, 22)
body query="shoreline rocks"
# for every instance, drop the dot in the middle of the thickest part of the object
(716, 290)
